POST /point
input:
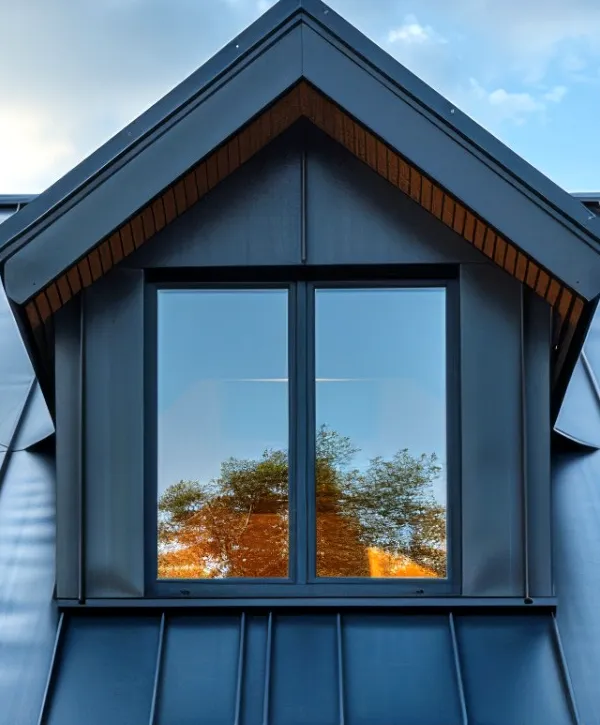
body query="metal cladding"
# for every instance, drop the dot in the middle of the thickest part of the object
(294, 669)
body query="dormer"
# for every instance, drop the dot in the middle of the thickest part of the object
(304, 329)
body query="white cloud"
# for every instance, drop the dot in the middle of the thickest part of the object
(516, 106)
(412, 32)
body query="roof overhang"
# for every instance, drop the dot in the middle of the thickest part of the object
(303, 60)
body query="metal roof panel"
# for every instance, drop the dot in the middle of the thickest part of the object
(309, 668)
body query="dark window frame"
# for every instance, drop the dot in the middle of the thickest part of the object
(301, 284)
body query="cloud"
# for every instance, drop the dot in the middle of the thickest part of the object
(516, 106)
(411, 31)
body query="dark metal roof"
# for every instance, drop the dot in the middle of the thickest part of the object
(299, 668)
(28, 618)
(300, 39)
(576, 493)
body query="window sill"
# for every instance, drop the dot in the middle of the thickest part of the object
(405, 603)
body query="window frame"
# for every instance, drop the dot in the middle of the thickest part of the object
(302, 582)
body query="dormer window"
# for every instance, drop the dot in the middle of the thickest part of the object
(304, 333)
(301, 434)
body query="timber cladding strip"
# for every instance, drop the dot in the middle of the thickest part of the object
(305, 101)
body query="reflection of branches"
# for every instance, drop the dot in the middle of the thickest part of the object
(237, 525)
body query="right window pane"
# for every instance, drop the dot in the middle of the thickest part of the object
(381, 432)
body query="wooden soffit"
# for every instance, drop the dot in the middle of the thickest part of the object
(304, 101)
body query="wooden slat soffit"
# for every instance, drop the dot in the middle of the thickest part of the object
(305, 101)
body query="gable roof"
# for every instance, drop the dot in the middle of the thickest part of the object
(302, 59)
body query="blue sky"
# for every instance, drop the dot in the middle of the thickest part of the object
(223, 369)
(76, 72)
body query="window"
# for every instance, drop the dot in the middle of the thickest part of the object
(222, 434)
(301, 437)
(381, 432)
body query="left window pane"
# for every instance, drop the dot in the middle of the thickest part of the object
(222, 404)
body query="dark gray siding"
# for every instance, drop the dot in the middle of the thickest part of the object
(537, 343)
(353, 216)
(68, 405)
(114, 434)
(253, 218)
(491, 432)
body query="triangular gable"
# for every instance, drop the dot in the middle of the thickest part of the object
(302, 60)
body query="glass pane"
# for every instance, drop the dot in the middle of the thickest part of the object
(222, 434)
(381, 432)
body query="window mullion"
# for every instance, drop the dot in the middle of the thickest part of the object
(310, 431)
(299, 430)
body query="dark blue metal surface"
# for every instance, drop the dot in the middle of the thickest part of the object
(27, 615)
(297, 669)
(576, 490)
(207, 647)
(400, 669)
(511, 670)
(304, 659)
(579, 418)
(105, 671)
(16, 373)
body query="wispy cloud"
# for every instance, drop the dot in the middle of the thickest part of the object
(515, 106)
(413, 32)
